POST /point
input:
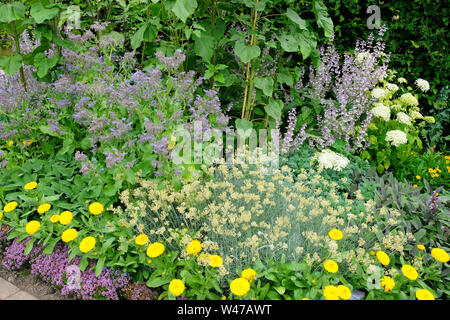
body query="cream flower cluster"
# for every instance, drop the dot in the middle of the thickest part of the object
(409, 100)
(416, 115)
(363, 56)
(396, 137)
(332, 160)
(381, 111)
(404, 118)
(423, 85)
(392, 87)
(378, 93)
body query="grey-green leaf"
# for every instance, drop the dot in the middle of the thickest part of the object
(245, 52)
(40, 14)
(322, 18)
(11, 64)
(293, 16)
(265, 84)
(184, 8)
(274, 108)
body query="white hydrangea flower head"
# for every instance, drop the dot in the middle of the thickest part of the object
(332, 160)
(378, 93)
(429, 119)
(396, 107)
(415, 115)
(360, 57)
(392, 87)
(381, 111)
(396, 137)
(409, 100)
(423, 85)
(404, 118)
(402, 80)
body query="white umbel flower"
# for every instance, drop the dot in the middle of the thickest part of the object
(378, 93)
(396, 137)
(409, 100)
(404, 118)
(402, 80)
(423, 85)
(381, 111)
(392, 87)
(332, 160)
(416, 115)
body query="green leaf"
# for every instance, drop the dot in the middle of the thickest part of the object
(243, 126)
(40, 14)
(12, 12)
(288, 42)
(83, 263)
(43, 64)
(265, 84)
(273, 108)
(157, 282)
(50, 246)
(308, 43)
(11, 64)
(245, 52)
(99, 266)
(29, 246)
(294, 17)
(322, 18)
(138, 37)
(204, 45)
(184, 8)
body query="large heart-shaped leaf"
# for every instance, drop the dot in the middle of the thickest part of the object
(204, 44)
(265, 84)
(184, 8)
(273, 108)
(293, 16)
(11, 64)
(322, 18)
(245, 52)
(40, 14)
(43, 64)
(308, 43)
(11, 12)
(288, 42)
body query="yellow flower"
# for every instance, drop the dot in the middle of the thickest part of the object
(335, 234)
(32, 227)
(372, 253)
(54, 218)
(423, 294)
(224, 298)
(1, 215)
(194, 247)
(440, 255)
(249, 274)
(10, 143)
(421, 247)
(10, 206)
(418, 177)
(240, 287)
(176, 287)
(331, 266)
(69, 235)
(44, 208)
(331, 293)
(30, 185)
(306, 299)
(65, 217)
(410, 272)
(155, 250)
(96, 208)
(415, 186)
(141, 239)
(87, 244)
(388, 283)
(344, 292)
(215, 261)
(383, 258)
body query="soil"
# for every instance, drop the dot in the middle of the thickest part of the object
(31, 284)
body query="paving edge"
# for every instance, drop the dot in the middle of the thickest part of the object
(8, 291)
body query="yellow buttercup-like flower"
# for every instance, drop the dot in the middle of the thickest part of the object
(423, 294)
(331, 266)
(215, 261)
(421, 247)
(331, 293)
(1, 215)
(54, 218)
(410, 272)
(249, 274)
(69, 235)
(87, 244)
(155, 250)
(10, 143)
(344, 292)
(32, 227)
(387, 283)
(96, 208)
(65, 218)
(10, 206)
(44, 208)
(141, 239)
(194, 247)
(240, 287)
(176, 287)
(335, 234)
(440, 255)
(383, 258)
(30, 185)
